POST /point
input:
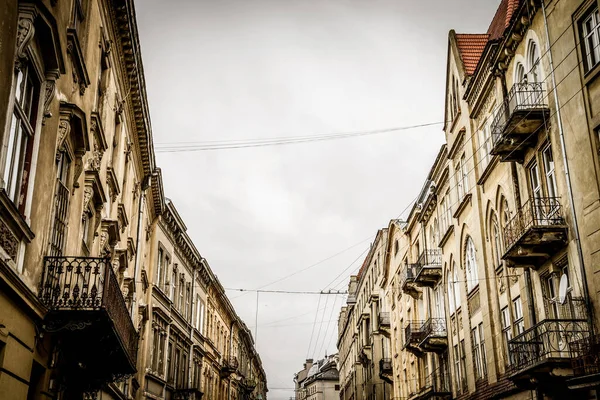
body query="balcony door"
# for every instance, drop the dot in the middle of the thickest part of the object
(61, 204)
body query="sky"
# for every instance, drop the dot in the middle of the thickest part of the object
(251, 69)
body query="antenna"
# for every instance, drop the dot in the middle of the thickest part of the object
(563, 288)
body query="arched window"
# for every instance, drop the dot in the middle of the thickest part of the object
(505, 216)
(451, 303)
(533, 58)
(471, 264)
(456, 289)
(496, 241)
(520, 75)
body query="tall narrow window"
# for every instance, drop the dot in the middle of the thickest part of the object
(457, 298)
(534, 63)
(451, 303)
(534, 180)
(497, 242)
(159, 267)
(518, 313)
(61, 204)
(482, 347)
(506, 332)
(471, 265)
(476, 351)
(173, 283)
(590, 30)
(550, 172)
(18, 144)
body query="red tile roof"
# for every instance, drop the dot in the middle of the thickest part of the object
(501, 20)
(470, 47)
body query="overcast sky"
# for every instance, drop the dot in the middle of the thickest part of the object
(247, 69)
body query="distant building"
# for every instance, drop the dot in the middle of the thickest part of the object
(318, 381)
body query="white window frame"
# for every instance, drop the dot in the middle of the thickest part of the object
(590, 31)
(471, 264)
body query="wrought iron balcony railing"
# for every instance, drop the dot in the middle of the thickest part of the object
(522, 113)
(548, 341)
(413, 335)
(75, 288)
(585, 355)
(439, 381)
(434, 327)
(429, 267)
(539, 223)
(407, 280)
(187, 394)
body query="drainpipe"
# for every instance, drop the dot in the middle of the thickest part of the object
(229, 352)
(563, 148)
(143, 187)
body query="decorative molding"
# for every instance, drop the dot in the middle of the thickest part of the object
(80, 74)
(113, 184)
(25, 32)
(49, 94)
(466, 200)
(122, 217)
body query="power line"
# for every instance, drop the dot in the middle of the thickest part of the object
(324, 292)
(313, 328)
(239, 144)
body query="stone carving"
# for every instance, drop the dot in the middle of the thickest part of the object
(513, 279)
(48, 97)
(8, 241)
(78, 168)
(501, 285)
(103, 240)
(25, 32)
(87, 196)
(95, 160)
(64, 127)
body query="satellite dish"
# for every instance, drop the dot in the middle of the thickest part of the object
(562, 289)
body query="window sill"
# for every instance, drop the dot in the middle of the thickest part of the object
(446, 236)
(463, 204)
(488, 170)
(13, 227)
(591, 75)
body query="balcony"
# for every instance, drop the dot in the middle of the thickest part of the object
(248, 385)
(517, 120)
(87, 311)
(535, 233)
(385, 366)
(187, 394)
(230, 366)
(585, 360)
(435, 337)
(437, 385)
(413, 336)
(384, 319)
(543, 349)
(429, 268)
(407, 283)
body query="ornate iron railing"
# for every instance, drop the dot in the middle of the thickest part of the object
(384, 318)
(187, 394)
(408, 274)
(585, 355)
(521, 97)
(429, 258)
(88, 283)
(434, 327)
(413, 333)
(540, 211)
(548, 339)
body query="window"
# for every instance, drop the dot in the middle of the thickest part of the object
(159, 267)
(451, 303)
(518, 313)
(476, 352)
(482, 346)
(165, 285)
(86, 227)
(170, 362)
(173, 283)
(471, 264)
(534, 181)
(549, 171)
(457, 299)
(176, 366)
(485, 134)
(506, 332)
(520, 76)
(463, 365)
(462, 184)
(534, 63)
(158, 346)
(188, 300)
(396, 247)
(181, 303)
(590, 30)
(18, 145)
(497, 243)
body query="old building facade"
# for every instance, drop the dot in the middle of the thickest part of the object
(319, 380)
(493, 276)
(364, 330)
(101, 289)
